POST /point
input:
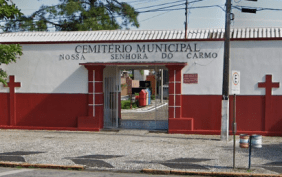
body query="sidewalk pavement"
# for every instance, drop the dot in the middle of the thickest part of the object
(138, 150)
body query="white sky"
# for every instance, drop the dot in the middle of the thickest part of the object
(198, 18)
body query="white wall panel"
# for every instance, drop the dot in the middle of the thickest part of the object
(255, 59)
(40, 71)
(49, 68)
(209, 72)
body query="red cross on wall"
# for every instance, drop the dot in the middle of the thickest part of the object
(268, 85)
(12, 84)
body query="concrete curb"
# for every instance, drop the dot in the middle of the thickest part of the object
(147, 171)
(50, 166)
(180, 172)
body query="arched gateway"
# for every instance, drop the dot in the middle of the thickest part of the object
(61, 80)
(96, 92)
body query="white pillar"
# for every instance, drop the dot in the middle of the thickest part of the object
(162, 86)
(224, 120)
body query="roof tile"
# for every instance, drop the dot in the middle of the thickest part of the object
(131, 35)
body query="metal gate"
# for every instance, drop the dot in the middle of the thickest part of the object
(110, 102)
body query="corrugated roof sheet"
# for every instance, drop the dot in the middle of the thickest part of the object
(133, 35)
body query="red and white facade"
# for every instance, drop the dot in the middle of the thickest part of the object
(58, 83)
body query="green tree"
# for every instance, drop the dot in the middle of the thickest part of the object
(78, 15)
(8, 53)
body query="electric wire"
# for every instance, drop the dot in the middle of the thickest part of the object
(158, 5)
(163, 7)
(155, 16)
(166, 8)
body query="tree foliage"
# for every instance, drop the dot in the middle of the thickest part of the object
(8, 53)
(78, 15)
(8, 11)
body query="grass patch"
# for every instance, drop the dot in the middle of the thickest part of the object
(125, 104)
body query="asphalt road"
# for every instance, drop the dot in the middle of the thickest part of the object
(30, 172)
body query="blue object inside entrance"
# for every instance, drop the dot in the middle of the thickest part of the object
(144, 124)
(149, 95)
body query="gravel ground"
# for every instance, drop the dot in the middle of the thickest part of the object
(136, 150)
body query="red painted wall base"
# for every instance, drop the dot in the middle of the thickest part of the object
(201, 114)
(180, 124)
(89, 123)
(44, 110)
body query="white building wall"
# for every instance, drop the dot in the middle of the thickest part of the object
(255, 59)
(210, 72)
(40, 71)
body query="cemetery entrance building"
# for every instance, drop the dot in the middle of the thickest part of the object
(77, 81)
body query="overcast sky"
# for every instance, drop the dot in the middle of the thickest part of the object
(212, 17)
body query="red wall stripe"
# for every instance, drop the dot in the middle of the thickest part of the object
(60, 111)
(4, 109)
(249, 113)
(204, 109)
(50, 110)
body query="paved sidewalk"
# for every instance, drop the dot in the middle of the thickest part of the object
(134, 150)
(154, 104)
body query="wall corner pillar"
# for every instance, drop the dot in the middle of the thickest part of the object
(176, 123)
(95, 108)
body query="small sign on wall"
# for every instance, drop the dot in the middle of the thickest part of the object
(190, 78)
(235, 82)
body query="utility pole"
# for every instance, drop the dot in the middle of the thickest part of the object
(186, 17)
(226, 66)
(162, 86)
